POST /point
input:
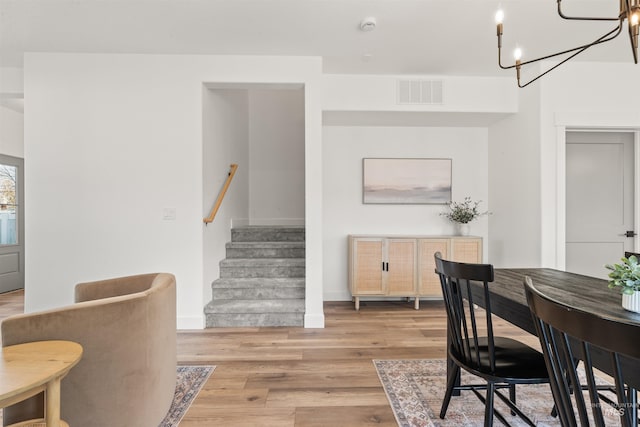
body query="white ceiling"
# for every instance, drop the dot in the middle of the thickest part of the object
(436, 37)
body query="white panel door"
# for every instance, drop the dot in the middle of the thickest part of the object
(11, 224)
(599, 189)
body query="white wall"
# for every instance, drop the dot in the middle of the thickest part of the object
(350, 92)
(113, 140)
(526, 155)
(11, 132)
(11, 116)
(344, 213)
(11, 81)
(363, 119)
(225, 141)
(578, 95)
(514, 185)
(276, 134)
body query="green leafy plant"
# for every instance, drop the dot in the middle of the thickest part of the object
(464, 212)
(626, 276)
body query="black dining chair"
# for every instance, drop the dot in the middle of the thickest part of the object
(500, 361)
(569, 335)
(628, 254)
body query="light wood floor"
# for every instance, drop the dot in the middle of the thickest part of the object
(306, 377)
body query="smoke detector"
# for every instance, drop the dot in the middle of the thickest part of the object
(368, 24)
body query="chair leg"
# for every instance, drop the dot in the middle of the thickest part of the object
(488, 405)
(633, 404)
(512, 396)
(451, 382)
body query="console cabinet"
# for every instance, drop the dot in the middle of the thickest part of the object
(403, 266)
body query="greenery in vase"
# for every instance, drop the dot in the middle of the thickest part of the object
(626, 276)
(463, 212)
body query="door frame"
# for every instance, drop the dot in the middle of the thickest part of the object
(19, 163)
(561, 170)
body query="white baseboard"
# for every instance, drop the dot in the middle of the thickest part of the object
(190, 322)
(337, 296)
(314, 320)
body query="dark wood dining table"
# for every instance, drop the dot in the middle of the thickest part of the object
(509, 302)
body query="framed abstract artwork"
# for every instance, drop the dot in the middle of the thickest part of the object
(406, 181)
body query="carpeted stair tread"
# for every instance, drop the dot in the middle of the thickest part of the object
(265, 250)
(271, 227)
(251, 282)
(259, 233)
(250, 306)
(265, 245)
(262, 262)
(258, 288)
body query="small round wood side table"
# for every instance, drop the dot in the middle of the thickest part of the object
(30, 368)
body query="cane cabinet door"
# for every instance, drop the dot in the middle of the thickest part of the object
(429, 282)
(367, 266)
(467, 250)
(401, 267)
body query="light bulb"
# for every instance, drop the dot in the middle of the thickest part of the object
(634, 19)
(499, 16)
(517, 54)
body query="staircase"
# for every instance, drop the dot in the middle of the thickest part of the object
(262, 279)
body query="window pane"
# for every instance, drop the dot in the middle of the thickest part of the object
(8, 205)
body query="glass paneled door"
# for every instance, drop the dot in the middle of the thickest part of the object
(11, 224)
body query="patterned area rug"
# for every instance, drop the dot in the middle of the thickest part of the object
(189, 382)
(415, 389)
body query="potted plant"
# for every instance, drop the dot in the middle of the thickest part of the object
(626, 278)
(462, 213)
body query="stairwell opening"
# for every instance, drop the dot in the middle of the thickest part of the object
(254, 250)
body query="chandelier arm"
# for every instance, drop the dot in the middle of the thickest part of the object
(582, 18)
(579, 51)
(552, 68)
(504, 67)
(633, 38)
(634, 50)
(605, 38)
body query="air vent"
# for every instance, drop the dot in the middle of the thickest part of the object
(419, 92)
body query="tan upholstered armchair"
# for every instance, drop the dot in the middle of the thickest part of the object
(127, 375)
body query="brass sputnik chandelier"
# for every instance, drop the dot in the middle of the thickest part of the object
(629, 11)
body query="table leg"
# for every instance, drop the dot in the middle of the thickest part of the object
(52, 403)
